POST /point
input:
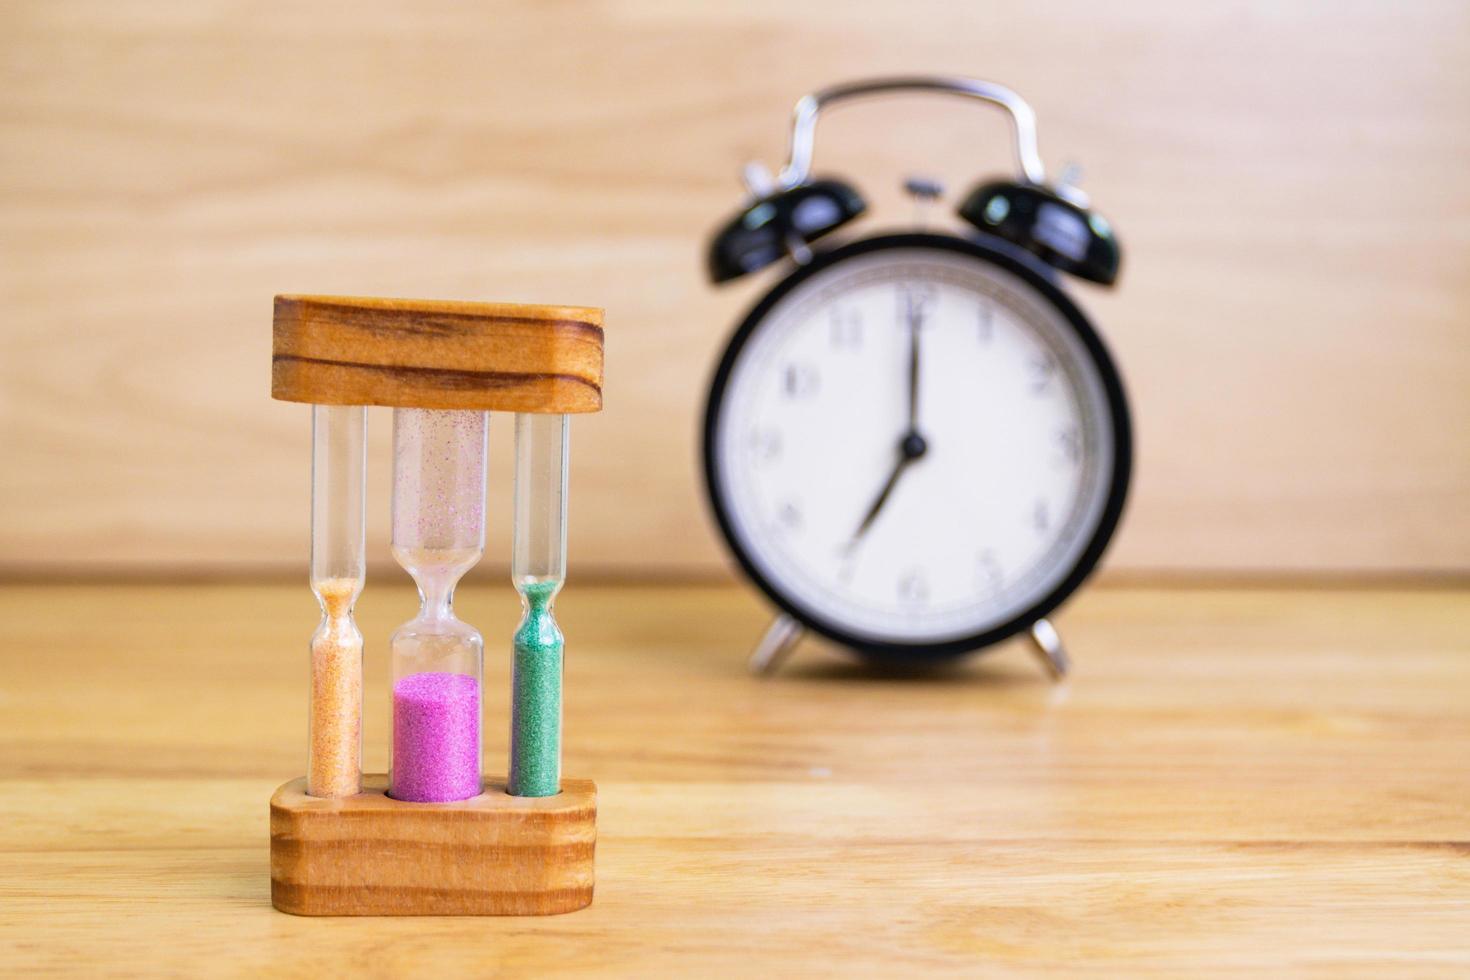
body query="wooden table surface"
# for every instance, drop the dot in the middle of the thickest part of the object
(1231, 780)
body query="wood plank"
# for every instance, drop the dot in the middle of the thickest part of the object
(1232, 781)
(1290, 317)
(501, 357)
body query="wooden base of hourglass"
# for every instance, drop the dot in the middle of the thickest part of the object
(493, 854)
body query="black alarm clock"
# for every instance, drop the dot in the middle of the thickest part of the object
(916, 444)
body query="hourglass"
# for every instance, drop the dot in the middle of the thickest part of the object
(438, 660)
(434, 836)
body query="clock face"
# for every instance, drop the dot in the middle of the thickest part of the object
(917, 443)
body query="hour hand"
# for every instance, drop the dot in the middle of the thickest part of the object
(911, 448)
(882, 498)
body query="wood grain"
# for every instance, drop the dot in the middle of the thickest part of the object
(493, 854)
(501, 357)
(1261, 782)
(1290, 321)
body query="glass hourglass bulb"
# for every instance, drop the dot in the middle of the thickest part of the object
(334, 717)
(438, 535)
(538, 568)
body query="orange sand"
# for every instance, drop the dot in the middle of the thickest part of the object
(334, 757)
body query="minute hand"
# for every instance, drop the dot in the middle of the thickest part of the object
(916, 321)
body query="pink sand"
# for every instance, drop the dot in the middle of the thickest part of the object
(436, 738)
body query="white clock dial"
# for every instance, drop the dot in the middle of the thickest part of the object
(1015, 433)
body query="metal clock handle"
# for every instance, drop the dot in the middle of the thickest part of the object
(804, 119)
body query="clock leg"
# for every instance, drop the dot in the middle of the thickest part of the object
(780, 639)
(1047, 645)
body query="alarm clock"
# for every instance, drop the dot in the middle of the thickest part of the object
(916, 444)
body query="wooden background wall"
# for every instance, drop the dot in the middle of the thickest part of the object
(1289, 179)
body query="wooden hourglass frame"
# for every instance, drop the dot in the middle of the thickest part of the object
(344, 842)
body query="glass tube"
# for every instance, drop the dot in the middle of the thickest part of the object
(538, 568)
(338, 481)
(438, 535)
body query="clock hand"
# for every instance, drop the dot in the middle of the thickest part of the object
(882, 498)
(916, 320)
(912, 447)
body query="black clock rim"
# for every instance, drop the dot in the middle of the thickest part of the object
(1034, 275)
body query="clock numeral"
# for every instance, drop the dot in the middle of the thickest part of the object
(1069, 443)
(915, 300)
(847, 329)
(988, 570)
(789, 516)
(800, 381)
(913, 587)
(1041, 515)
(765, 445)
(1043, 367)
(985, 322)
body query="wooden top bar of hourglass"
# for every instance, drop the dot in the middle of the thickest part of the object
(409, 353)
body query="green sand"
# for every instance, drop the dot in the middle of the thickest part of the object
(535, 713)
